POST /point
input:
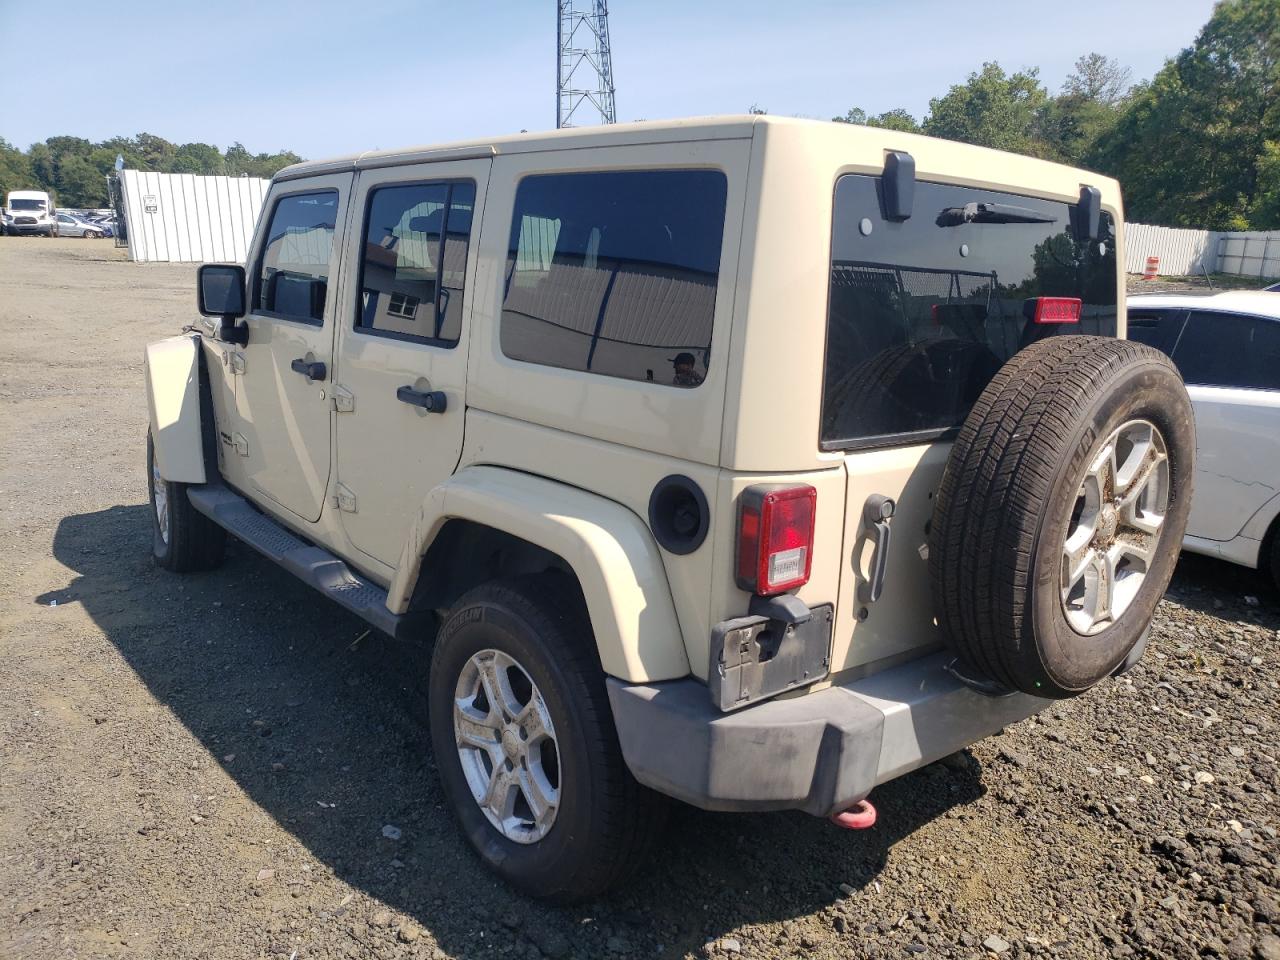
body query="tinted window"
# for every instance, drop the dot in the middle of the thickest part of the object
(615, 273)
(408, 287)
(1228, 350)
(923, 312)
(1156, 328)
(293, 276)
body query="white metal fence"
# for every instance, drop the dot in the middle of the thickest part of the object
(184, 217)
(1192, 252)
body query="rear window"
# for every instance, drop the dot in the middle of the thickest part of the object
(924, 312)
(615, 273)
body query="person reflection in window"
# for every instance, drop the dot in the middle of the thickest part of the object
(686, 375)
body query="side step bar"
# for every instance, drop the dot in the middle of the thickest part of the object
(311, 564)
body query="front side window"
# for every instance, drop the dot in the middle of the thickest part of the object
(1229, 350)
(615, 273)
(923, 312)
(293, 273)
(415, 258)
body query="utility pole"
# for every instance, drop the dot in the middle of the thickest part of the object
(584, 67)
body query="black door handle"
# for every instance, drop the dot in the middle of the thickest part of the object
(313, 370)
(432, 401)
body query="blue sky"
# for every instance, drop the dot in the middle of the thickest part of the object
(332, 76)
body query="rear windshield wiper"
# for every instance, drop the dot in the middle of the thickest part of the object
(991, 213)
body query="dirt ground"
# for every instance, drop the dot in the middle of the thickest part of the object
(203, 766)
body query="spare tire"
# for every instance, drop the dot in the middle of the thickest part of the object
(1061, 513)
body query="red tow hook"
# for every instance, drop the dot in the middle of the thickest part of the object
(858, 817)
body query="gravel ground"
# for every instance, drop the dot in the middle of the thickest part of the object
(204, 766)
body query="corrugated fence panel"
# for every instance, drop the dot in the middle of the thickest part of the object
(1252, 254)
(1181, 252)
(183, 217)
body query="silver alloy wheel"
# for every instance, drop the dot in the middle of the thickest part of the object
(507, 746)
(1115, 527)
(161, 493)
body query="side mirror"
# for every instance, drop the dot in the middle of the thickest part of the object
(220, 290)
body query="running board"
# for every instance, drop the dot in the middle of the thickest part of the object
(311, 564)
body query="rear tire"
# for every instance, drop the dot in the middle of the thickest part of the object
(534, 631)
(182, 538)
(1061, 512)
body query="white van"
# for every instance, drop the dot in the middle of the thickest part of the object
(30, 211)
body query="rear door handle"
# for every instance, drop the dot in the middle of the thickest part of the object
(311, 369)
(432, 401)
(876, 513)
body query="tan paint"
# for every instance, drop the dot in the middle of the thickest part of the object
(172, 373)
(580, 453)
(607, 546)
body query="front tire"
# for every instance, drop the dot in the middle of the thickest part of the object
(525, 744)
(182, 539)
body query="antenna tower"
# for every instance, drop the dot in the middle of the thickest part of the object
(584, 69)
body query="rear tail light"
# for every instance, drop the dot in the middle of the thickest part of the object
(1053, 309)
(775, 537)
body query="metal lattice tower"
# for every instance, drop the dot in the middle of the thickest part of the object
(582, 35)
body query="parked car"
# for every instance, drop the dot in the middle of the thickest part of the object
(69, 226)
(750, 461)
(1274, 288)
(30, 211)
(1227, 347)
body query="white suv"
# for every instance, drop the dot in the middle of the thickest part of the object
(1227, 347)
(746, 461)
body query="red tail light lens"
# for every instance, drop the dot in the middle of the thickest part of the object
(775, 537)
(1056, 310)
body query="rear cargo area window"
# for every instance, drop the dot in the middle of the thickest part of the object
(615, 273)
(923, 312)
(293, 272)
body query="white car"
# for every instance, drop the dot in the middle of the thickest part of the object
(1227, 347)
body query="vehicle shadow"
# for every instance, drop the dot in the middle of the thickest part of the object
(260, 668)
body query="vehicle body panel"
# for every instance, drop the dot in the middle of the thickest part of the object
(390, 480)
(171, 369)
(1237, 480)
(285, 418)
(608, 547)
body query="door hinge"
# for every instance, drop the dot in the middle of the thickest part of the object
(241, 444)
(344, 499)
(344, 401)
(236, 363)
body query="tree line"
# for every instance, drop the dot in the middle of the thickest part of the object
(1198, 145)
(75, 170)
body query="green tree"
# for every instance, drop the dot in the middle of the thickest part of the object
(896, 119)
(1090, 104)
(1191, 148)
(991, 109)
(15, 169)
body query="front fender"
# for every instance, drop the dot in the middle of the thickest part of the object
(172, 374)
(610, 550)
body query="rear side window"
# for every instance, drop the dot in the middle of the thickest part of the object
(923, 312)
(415, 258)
(1229, 350)
(1155, 328)
(615, 273)
(293, 270)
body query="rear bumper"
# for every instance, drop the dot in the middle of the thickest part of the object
(819, 752)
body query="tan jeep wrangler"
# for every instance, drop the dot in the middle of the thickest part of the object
(747, 461)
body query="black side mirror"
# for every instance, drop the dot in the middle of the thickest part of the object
(220, 290)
